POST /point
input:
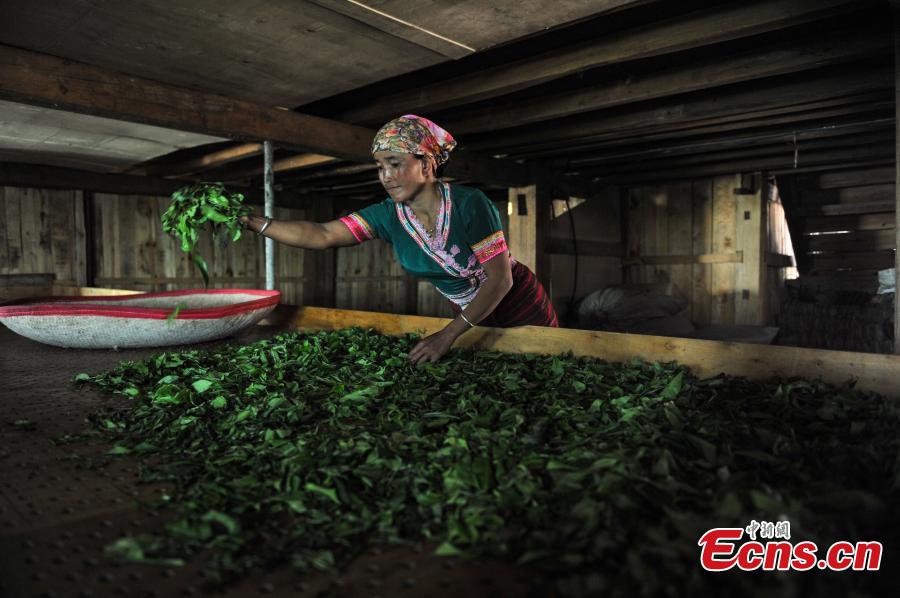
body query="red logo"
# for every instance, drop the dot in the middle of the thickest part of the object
(720, 551)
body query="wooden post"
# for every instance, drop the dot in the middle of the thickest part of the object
(895, 6)
(750, 280)
(269, 189)
(530, 213)
(523, 224)
(543, 220)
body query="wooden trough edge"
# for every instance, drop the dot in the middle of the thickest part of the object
(870, 371)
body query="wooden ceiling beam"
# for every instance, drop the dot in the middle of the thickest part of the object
(281, 166)
(838, 159)
(742, 103)
(718, 71)
(15, 174)
(692, 30)
(784, 152)
(200, 163)
(32, 78)
(727, 106)
(721, 143)
(824, 114)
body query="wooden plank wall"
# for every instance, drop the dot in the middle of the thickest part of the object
(847, 224)
(131, 251)
(43, 231)
(37, 233)
(370, 278)
(704, 240)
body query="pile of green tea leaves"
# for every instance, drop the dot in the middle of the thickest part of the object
(195, 207)
(309, 447)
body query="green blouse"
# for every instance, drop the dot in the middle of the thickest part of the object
(467, 234)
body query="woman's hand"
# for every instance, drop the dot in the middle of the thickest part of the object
(246, 222)
(432, 348)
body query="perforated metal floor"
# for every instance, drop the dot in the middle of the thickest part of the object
(60, 505)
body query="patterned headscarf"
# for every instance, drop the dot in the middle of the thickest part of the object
(411, 134)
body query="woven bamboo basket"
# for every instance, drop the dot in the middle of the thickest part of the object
(143, 320)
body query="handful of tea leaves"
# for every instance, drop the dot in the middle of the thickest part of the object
(195, 206)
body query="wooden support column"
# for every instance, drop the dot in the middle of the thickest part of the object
(269, 210)
(544, 218)
(529, 227)
(750, 301)
(523, 224)
(895, 6)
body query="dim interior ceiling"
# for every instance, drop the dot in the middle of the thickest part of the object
(613, 90)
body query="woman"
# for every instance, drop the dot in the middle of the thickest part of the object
(447, 234)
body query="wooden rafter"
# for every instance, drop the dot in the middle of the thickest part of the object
(730, 141)
(33, 78)
(289, 164)
(15, 174)
(199, 163)
(719, 24)
(825, 160)
(717, 71)
(735, 107)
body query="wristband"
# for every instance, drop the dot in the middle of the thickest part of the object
(466, 320)
(263, 228)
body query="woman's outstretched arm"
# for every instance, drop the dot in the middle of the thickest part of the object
(498, 283)
(302, 233)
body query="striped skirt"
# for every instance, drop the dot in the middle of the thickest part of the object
(526, 303)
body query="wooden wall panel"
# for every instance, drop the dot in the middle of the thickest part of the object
(848, 224)
(701, 235)
(37, 233)
(5, 226)
(750, 276)
(724, 240)
(692, 238)
(521, 236)
(679, 218)
(13, 226)
(370, 278)
(81, 254)
(133, 252)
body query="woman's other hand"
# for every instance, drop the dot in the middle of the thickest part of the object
(431, 348)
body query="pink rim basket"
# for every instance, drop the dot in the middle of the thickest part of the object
(143, 320)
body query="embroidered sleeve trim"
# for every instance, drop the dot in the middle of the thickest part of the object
(490, 247)
(359, 227)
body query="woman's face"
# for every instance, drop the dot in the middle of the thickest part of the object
(402, 175)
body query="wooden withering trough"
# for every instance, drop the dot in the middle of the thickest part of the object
(870, 371)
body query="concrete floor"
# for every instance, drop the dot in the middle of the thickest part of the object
(60, 504)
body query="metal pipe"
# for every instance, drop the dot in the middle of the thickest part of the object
(269, 210)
